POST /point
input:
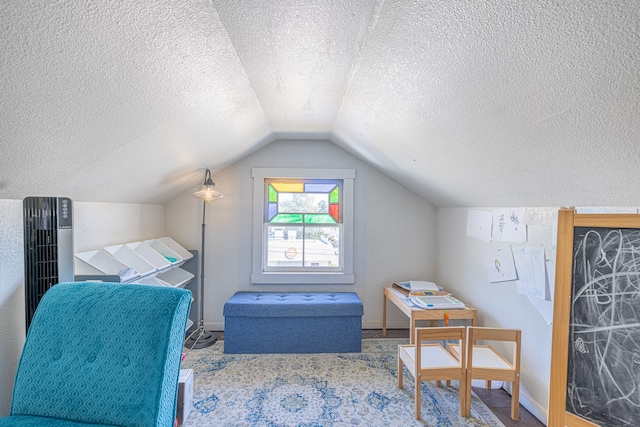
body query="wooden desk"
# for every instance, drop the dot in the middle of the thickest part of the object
(397, 295)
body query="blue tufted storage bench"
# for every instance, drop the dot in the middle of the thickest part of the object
(293, 322)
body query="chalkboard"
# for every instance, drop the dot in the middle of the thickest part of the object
(603, 372)
(595, 372)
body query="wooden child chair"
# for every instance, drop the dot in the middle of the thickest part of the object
(431, 361)
(485, 363)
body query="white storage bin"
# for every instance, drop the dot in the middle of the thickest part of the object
(176, 277)
(185, 395)
(171, 255)
(176, 247)
(107, 264)
(150, 255)
(150, 281)
(129, 257)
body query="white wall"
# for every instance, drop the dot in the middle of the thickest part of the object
(95, 225)
(394, 230)
(12, 300)
(460, 270)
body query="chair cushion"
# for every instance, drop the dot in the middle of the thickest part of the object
(293, 304)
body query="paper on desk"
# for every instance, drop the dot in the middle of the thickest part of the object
(421, 285)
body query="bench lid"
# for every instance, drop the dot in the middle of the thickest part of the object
(293, 304)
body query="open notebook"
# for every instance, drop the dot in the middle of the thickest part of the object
(435, 302)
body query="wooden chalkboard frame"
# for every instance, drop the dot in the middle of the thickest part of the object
(568, 220)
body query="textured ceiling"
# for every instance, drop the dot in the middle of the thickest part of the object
(467, 103)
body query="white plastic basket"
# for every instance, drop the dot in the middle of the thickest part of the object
(129, 257)
(176, 277)
(165, 251)
(149, 281)
(102, 261)
(150, 255)
(176, 247)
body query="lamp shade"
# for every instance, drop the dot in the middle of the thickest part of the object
(208, 193)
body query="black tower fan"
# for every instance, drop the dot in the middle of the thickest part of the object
(48, 247)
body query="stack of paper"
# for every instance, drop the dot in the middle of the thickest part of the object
(418, 285)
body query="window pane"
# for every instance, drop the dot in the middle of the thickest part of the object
(303, 202)
(284, 246)
(273, 195)
(335, 195)
(334, 210)
(316, 187)
(288, 187)
(288, 218)
(272, 211)
(319, 219)
(321, 246)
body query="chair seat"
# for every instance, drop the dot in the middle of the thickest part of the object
(484, 357)
(433, 356)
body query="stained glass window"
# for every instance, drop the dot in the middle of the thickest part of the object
(310, 201)
(303, 223)
(303, 226)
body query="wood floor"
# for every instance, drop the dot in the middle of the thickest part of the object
(499, 401)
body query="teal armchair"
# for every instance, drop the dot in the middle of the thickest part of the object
(101, 354)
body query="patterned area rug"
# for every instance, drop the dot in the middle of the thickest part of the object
(318, 390)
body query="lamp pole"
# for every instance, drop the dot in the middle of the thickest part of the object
(201, 338)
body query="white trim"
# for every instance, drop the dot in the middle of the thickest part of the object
(302, 278)
(302, 173)
(347, 276)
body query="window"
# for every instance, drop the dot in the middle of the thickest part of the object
(303, 226)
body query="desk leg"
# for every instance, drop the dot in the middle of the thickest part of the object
(384, 315)
(412, 329)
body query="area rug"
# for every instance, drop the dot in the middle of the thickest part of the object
(318, 390)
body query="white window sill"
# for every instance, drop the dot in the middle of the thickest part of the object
(303, 278)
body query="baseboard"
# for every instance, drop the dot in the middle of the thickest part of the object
(377, 324)
(373, 324)
(214, 326)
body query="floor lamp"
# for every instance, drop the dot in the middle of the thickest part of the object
(201, 338)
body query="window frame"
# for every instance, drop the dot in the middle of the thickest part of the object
(259, 274)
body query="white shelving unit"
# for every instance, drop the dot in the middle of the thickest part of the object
(152, 262)
(144, 263)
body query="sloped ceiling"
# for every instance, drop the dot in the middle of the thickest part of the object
(468, 103)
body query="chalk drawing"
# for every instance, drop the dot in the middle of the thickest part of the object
(603, 375)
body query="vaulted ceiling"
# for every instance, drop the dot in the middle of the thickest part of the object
(466, 102)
